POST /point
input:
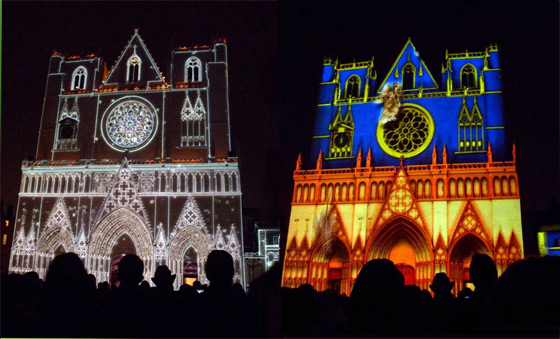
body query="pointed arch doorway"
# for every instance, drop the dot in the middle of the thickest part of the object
(121, 224)
(462, 250)
(123, 246)
(406, 244)
(330, 266)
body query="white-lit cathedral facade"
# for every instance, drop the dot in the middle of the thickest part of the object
(129, 162)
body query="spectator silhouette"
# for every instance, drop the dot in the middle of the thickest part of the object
(526, 298)
(65, 297)
(128, 310)
(483, 274)
(222, 311)
(375, 301)
(444, 304)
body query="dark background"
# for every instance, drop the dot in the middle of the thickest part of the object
(275, 58)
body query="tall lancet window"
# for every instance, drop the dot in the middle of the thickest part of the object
(193, 70)
(193, 123)
(79, 78)
(468, 76)
(68, 126)
(353, 87)
(408, 73)
(133, 71)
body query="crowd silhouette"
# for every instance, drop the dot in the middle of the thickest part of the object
(523, 301)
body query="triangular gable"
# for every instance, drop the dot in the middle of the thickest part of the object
(123, 194)
(346, 122)
(233, 243)
(59, 215)
(292, 248)
(501, 249)
(219, 241)
(191, 216)
(331, 225)
(400, 201)
(423, 77)
(514, 248)
(470, 222)
(440, 249)
(149, 71)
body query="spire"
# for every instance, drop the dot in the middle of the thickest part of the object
(368, 159)
(489, 152)
(434, 156)
(64, 112)
(75, 111)
(320, 160)
(444, 155)
(219, 241)
(513, 153)
(359, 159)
(402, 161)
(298, 162)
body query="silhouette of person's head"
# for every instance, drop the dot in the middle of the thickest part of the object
(66, 268)
(377, 278)
(163, 277)
(219, 268)
(131, 268)
(376, 297)
(441, 284)
(483, 272)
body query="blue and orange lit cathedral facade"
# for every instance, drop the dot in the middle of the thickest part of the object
(407, 168)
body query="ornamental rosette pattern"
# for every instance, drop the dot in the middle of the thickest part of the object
(408, 132)
(130, 124)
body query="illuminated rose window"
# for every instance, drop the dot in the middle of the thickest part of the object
(409, 134)
(130, 124)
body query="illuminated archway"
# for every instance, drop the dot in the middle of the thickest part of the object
(189, 237)
(106, 234)
(49, 243)
(405, 243)
(330, 265)
(461, 252)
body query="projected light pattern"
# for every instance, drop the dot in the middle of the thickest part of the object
(130, 124)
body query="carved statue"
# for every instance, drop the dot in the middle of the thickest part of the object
(391, 102)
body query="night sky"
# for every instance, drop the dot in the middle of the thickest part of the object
(275, 59)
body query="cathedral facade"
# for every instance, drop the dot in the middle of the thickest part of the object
(130, 162)
(408, 169)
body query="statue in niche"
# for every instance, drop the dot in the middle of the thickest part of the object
(391, 102)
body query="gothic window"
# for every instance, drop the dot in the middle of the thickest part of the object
(193, 123)
(353, 87)
(408, 73)
(470, 130)
(133, 70)
(79, 78)
(468, 76)
(193, 70)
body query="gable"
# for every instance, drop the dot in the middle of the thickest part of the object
(148, 70)
(422, 77)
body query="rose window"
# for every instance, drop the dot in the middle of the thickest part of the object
(130, 124)
(409, 134)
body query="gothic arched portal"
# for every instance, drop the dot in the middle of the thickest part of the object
(461, 252)
(106, 234)
(406, 244)
(330, 266)
(186, 238)
(49, 245)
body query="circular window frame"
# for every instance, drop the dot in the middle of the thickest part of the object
(108, 112)
(422, 148)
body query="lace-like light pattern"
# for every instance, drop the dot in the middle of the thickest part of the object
(130, 124)
(408, 132)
